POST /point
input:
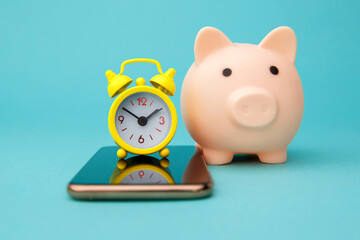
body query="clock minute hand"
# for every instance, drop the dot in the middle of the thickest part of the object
(153, 113)
(130, 113)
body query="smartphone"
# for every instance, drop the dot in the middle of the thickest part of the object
(182, 175)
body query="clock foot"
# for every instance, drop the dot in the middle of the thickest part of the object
(121, 164)
(164, 163)
(164, 152)
(121, 153)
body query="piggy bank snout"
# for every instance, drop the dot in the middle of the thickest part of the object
(252, 107)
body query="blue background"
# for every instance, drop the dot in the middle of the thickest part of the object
(54, 105)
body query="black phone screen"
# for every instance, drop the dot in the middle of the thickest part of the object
(184, 165)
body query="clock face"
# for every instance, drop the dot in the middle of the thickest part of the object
(143, 120)
(145, 176)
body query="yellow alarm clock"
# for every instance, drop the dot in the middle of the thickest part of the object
(142, 119)
(142, 170)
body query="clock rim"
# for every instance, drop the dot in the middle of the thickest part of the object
(112, 127)
(121, 174)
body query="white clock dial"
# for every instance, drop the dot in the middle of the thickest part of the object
(143, 120)
(144, 177)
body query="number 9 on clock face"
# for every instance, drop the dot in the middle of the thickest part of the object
(143, 120)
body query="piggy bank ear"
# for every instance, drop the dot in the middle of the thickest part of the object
(281, 40)
(208, 40)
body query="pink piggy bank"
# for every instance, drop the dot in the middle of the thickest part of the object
(243, 98)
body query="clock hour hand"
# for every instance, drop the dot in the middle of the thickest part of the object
(130, 113)
(153, 113)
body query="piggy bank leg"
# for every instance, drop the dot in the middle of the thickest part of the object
(216, 157)
(198, 146)
(278, 156)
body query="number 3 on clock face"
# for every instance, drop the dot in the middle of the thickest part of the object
(143, 120)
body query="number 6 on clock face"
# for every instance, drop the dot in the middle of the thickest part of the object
(143, 120)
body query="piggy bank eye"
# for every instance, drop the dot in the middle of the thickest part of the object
(274, 70)
(227, 72)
